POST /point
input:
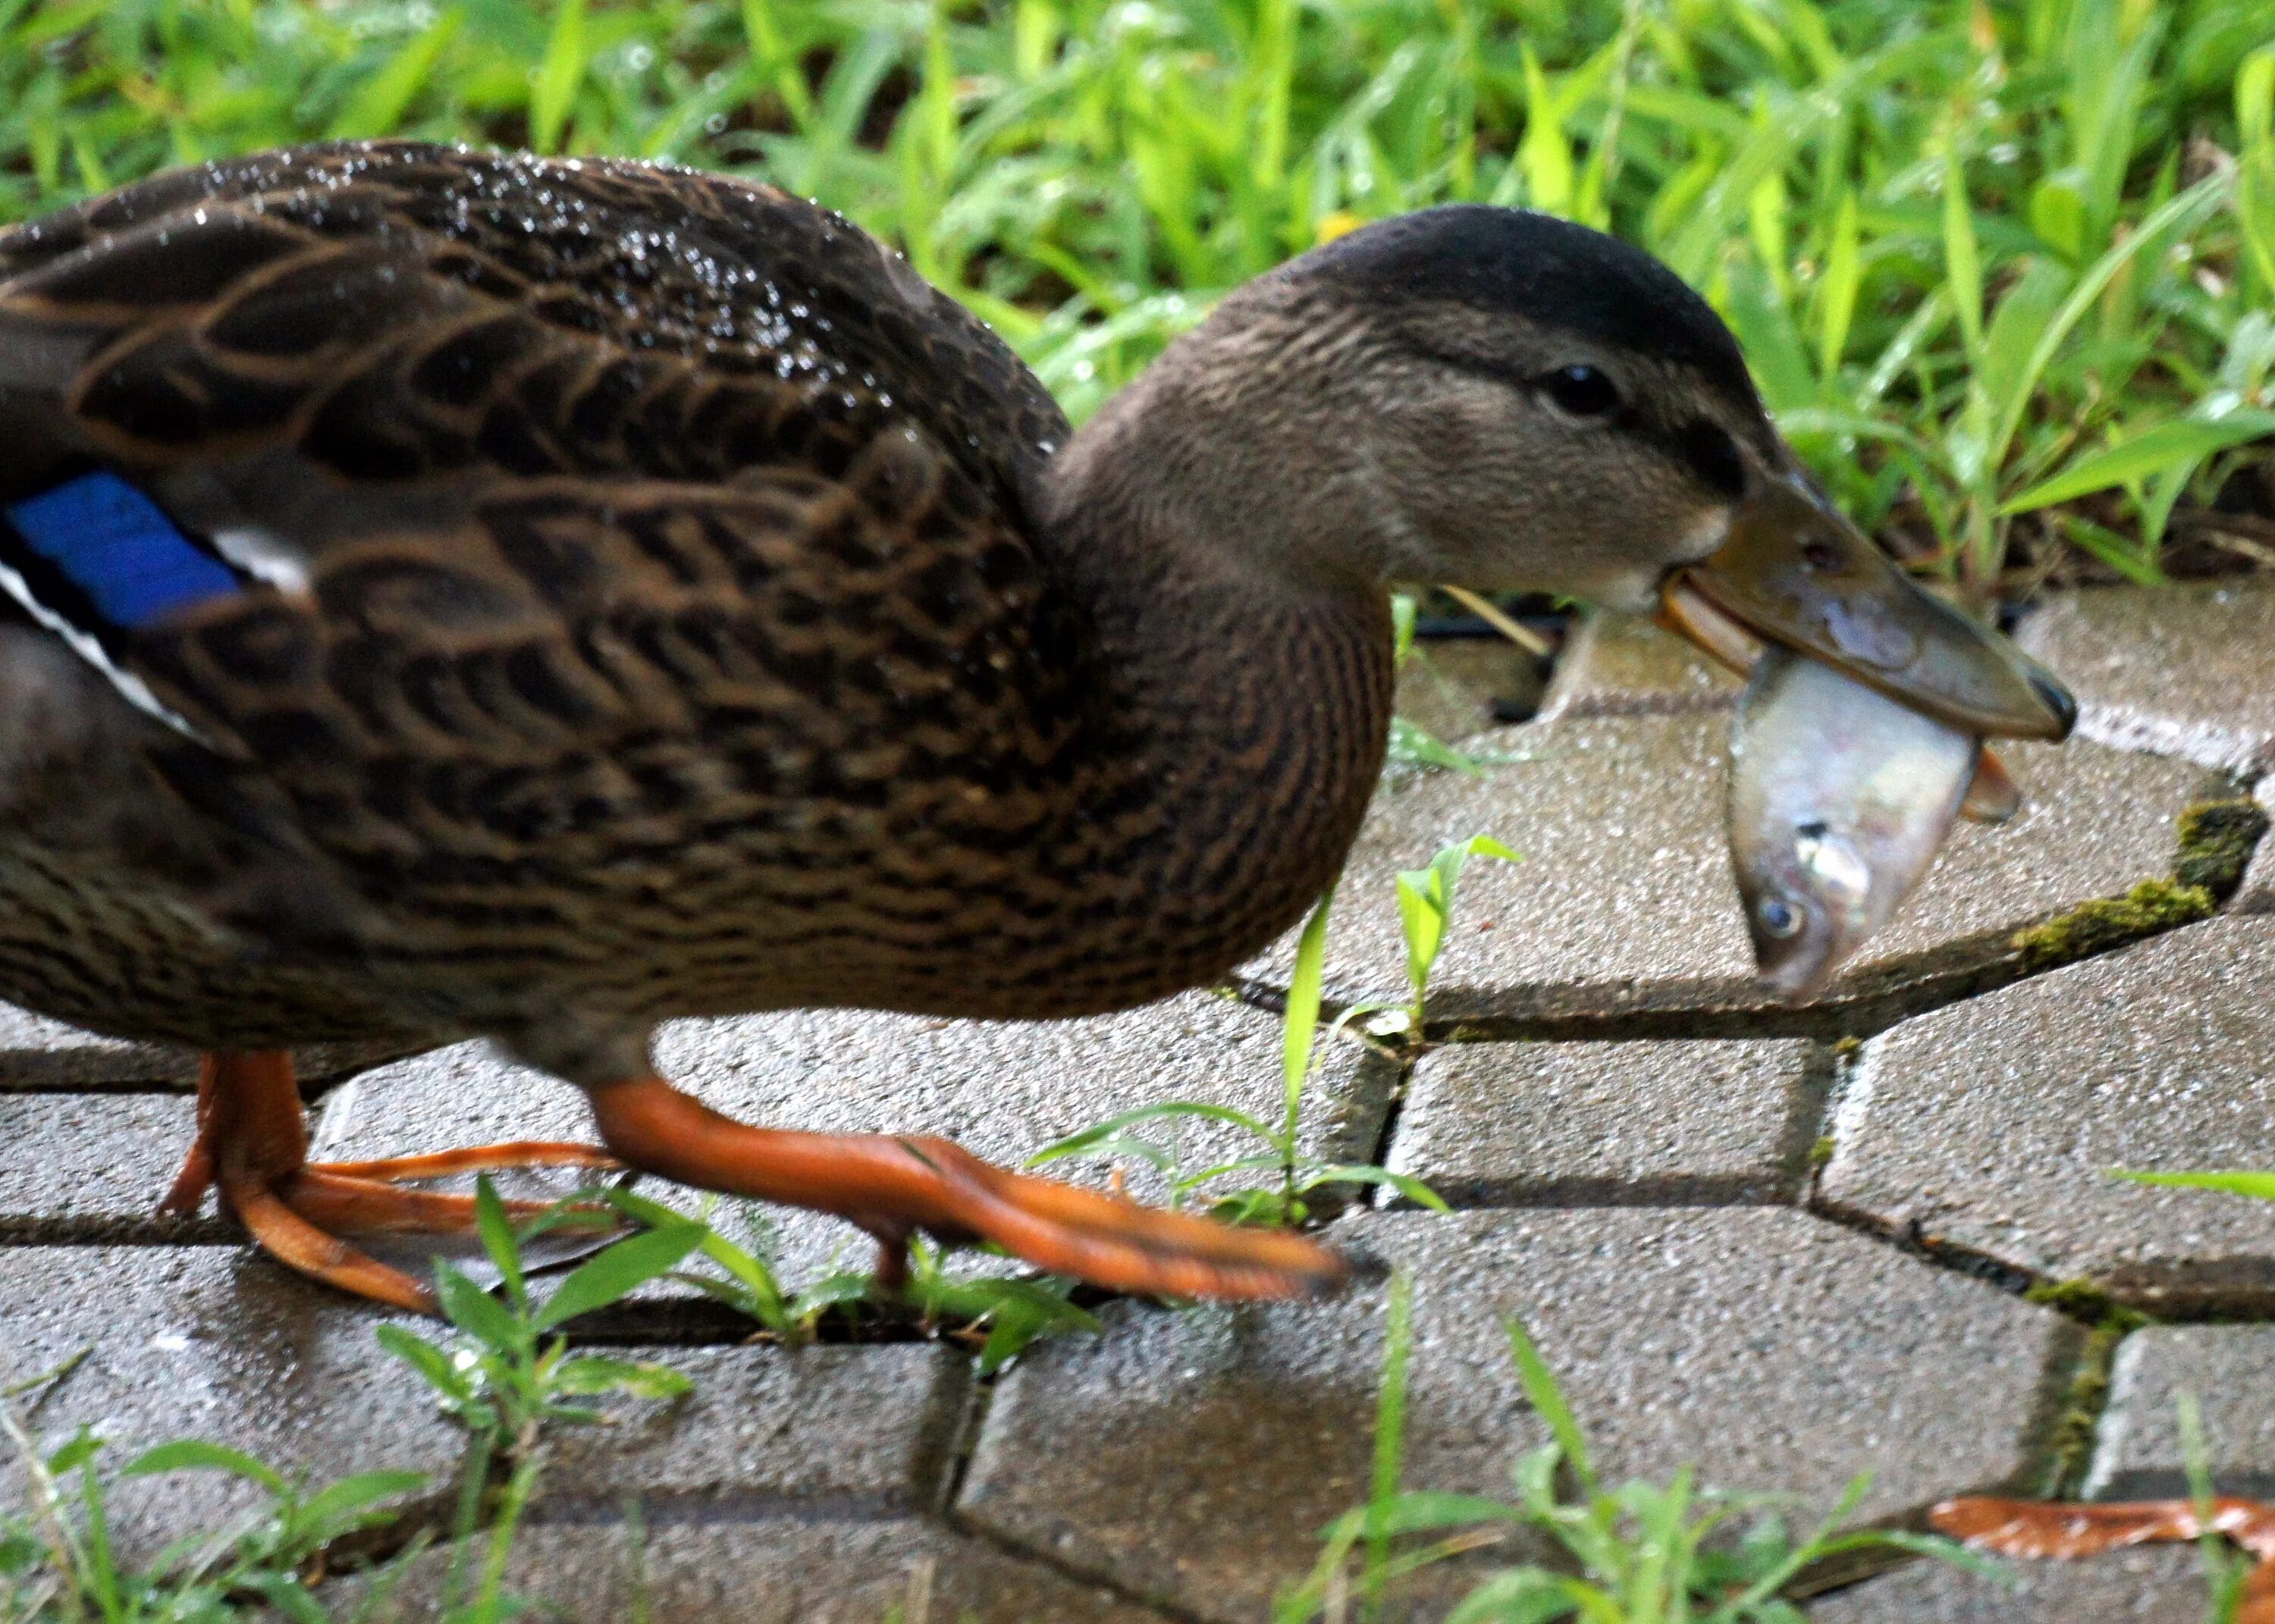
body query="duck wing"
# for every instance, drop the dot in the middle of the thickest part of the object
(501, 517)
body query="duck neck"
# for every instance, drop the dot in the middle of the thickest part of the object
(1240, 686)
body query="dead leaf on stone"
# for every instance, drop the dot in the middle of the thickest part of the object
(2074, 1528)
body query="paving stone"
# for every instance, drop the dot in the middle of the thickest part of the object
(38, 1052)
(217, 1344)
(92, 1167)
(2256, 894)
(1452, 687)
(1004, 1089)
(1774, 1351)
(1992, 1125)
(2138, 1452)
(96, 1130)
(871, 1427)
(1616, 665)
(209, 1343)
(1215, 1444)
(2163, 1584)
(804, 1570)
(1552, 1124)
(1624, 906)
(2185, 670)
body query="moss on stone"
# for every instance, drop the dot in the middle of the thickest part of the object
(2216, 839)
(2070, 1441)
(2217, 836)
(2080, 1299)
(2149, 909)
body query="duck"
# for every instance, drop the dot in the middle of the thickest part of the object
(453, 594)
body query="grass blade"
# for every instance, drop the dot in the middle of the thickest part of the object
(1545, 1397)
(2134, 560)
(378, 105)
(2154, 450)
(497, 1236)
(1406, 1184)
(432, 1363)
(618, 1272)
(1300, 1027)
(1098, 1133)
(474, 1310)
(643, 1378)
(1389, 1435)
(1836, 295)
(1962, 260)
(196, 1455)
(338, 1506)
(557, 77)
(1423, 923)
(2260, 1186)
(2180, 213)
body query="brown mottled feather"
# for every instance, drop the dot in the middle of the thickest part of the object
(677, 633)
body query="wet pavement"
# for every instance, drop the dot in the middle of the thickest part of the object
(1876, 1236)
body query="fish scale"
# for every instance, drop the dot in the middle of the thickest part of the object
(1839, 800)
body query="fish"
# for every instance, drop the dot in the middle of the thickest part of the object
(1839, 800)
(1993, 796)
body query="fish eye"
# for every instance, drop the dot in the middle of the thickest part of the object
(1780, 919)
(1583, 391)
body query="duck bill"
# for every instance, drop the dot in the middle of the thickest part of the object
(1794, 570)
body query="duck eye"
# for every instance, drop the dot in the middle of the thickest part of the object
(1583, 391)
(1780, 919)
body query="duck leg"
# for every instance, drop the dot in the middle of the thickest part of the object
(253, 1144)
(893, 1185)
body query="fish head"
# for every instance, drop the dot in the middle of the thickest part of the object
(1839, 798)
(1809, 904)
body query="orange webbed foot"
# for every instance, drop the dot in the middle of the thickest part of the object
(893, 1186)
(252, 1145)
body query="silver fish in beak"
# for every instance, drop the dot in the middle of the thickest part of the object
(1838, 799)
(1793, 569)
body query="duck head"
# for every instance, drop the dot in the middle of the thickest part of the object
(1498, 399)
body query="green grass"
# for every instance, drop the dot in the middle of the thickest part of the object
(507, 1376)
(1634, 1553)
(2226, 1569)
(1425, 906)
(2003, 270)
(504, 1370)
(57, 1565)
(997, 1316)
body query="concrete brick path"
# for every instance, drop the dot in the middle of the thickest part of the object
(1789, 1246)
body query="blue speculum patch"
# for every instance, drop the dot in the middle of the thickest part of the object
(119, 547)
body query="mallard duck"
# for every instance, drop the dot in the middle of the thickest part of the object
(454, 594)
